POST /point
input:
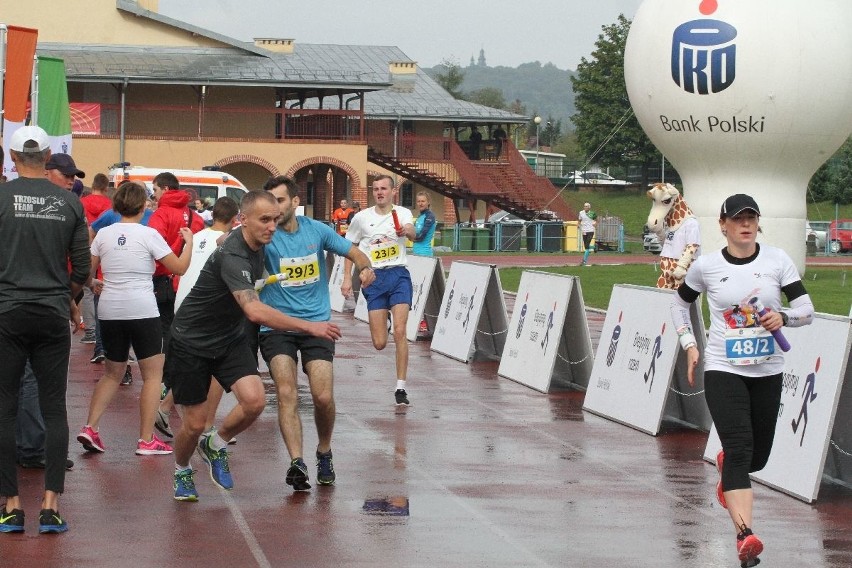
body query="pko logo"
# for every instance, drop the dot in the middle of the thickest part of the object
(704, 56)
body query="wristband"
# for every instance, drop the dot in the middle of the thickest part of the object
(784, 318)
(687, 340)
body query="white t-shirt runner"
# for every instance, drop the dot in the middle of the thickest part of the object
(127, 252)
(203, 245)
(376, 236)
(737, 342)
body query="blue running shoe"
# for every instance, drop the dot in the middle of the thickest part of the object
(49, 521)
(11, 521)
(325, 469)
(185, 486)
(220, 471)
(297, 475)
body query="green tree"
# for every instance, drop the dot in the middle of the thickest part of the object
(451, 77)
(488, 96)
(607, 131)
(833, 180)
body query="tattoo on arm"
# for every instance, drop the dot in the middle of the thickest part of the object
(245, 297)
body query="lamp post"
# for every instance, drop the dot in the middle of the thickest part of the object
(537, 121)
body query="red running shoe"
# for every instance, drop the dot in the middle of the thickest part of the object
(720, 494)
(749, 548)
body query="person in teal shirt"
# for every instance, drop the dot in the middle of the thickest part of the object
(424, 226)
(297, 249)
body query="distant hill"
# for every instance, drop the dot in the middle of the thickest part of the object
(543, 89)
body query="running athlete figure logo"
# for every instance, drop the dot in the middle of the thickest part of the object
(613, 342)
(546, 339)
(808, 396)
(450, 300)
(523, 315)
(469, 309)
(655, 354)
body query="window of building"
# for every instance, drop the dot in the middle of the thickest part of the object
(406, 195)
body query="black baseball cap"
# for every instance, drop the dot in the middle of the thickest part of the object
(736, 204)
(65, 164)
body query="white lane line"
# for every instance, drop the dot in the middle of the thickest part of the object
(251, 541)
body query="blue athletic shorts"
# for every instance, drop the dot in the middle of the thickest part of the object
(392, 286)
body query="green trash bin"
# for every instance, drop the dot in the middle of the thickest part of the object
(466, 237)
(482, 239)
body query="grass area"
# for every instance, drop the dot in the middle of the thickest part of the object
(830, 288)
(633, 206)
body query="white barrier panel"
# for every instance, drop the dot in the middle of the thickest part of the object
(427, 282)
(472, 317)
(636, 357)
(540, 348)
(361, 309)
(814, 370)
(335, 280)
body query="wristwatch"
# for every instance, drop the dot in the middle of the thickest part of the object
(784, 318)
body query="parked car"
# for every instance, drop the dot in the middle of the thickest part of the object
(595, 178)
(820, 229)
(650, 241)
(840, 235)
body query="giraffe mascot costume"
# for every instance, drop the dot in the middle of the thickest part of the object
(677, 227)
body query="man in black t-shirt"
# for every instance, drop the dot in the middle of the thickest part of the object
(43, 229)
(202, 346)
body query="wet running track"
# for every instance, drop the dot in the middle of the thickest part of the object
(478, 472)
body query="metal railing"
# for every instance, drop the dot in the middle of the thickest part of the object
(201, 122)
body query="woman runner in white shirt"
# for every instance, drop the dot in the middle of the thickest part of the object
(743, 363)
(128, 315)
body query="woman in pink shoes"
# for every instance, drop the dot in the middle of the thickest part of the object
(127, 313)
(743, 361)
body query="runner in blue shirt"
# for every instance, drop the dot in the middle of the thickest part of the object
(297, 250)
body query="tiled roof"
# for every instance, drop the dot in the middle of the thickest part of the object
(346, 68)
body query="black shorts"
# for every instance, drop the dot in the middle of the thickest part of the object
(118, 336)
(188, 374)
(282, 343)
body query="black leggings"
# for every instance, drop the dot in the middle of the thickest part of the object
(744, 411)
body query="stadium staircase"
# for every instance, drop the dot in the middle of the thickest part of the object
(441, 165)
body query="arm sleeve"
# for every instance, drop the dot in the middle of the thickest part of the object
(801, 310)
(428, 222)
(79, 253)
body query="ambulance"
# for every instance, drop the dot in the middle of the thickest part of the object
(207, 184)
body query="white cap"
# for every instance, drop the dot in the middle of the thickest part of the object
(26, 134)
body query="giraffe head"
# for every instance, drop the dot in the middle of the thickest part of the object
(669, 209)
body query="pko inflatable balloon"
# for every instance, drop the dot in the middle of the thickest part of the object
(744, 96)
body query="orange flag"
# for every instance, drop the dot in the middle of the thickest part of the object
(20, 51)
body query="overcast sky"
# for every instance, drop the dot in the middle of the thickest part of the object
(429, 31)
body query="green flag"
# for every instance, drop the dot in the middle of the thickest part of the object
(54, 113)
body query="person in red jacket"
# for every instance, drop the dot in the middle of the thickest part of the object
(173, 213)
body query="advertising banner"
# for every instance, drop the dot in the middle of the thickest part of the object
(814, 373)
(632, 373)
(472, 316)
(542, 347)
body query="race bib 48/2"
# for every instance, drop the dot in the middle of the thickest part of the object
(748, 346)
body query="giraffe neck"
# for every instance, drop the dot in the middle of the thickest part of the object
(679, 213)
